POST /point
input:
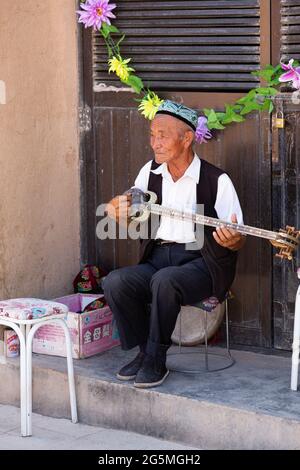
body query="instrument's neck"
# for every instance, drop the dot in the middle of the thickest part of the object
(212, 222)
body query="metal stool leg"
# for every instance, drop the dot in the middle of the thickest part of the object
(227, 328)
(23, 382)
(205, 336)
(227, 335)
(23, 376)
(71, 380)
(179, 332)
(70, 371)
(30, 336)
(230, 360)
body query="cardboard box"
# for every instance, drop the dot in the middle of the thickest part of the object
(91, 332)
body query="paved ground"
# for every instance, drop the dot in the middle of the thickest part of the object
(54, 434)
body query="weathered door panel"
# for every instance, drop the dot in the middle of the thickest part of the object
(286, 205)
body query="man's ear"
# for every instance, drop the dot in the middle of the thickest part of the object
(188, 138)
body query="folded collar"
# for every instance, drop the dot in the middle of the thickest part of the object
(193, 171)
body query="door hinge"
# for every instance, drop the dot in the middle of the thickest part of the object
(85, 119)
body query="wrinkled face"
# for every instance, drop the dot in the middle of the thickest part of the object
(169, 138)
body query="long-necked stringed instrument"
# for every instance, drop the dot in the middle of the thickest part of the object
(144, 204)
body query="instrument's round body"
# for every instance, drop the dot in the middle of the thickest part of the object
(193, 324)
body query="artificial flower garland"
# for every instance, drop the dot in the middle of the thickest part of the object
(98, 14)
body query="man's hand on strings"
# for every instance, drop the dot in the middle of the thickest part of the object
(229, 238)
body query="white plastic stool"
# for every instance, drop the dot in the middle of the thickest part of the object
(26, 316)
(296, 340)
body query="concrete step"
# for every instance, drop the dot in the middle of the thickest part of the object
(249, 406)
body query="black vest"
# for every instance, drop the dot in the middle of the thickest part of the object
(220, 261)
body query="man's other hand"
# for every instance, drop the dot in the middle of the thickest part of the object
(229, 238)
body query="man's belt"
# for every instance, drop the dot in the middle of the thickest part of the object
(159, 241)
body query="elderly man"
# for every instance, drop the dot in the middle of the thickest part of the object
(169, 275)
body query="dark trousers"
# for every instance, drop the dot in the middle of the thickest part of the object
(171, 277)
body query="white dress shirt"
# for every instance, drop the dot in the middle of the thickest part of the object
(181, 195)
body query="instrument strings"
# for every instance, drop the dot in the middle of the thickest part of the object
(210, 221)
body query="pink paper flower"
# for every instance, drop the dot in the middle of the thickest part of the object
(95, 13)
(202, 132)
(292, 74)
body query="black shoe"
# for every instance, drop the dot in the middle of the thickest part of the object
(129, 371)
(152, 373)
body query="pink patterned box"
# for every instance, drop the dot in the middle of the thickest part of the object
(91, 332)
